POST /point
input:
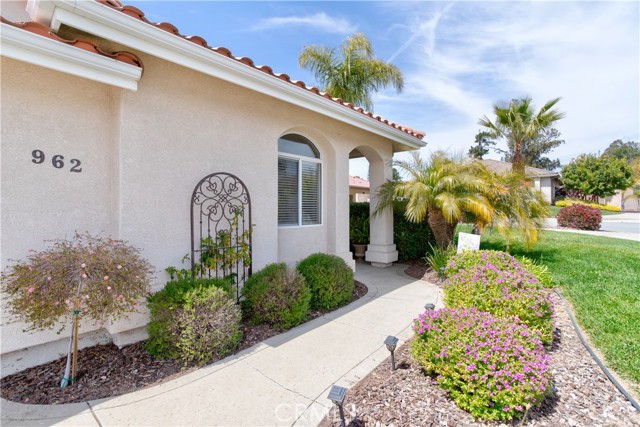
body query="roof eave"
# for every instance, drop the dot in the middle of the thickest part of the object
(102, 21)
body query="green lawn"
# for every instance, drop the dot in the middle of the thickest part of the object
(600, 276)
(555, 209)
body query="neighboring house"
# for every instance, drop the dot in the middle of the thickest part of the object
(358, 189)
(110, 121)
(542, 180)
(627, 200)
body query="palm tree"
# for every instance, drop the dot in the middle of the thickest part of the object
(518, 208)
(442, 190)
(353, 73)
(519, 125)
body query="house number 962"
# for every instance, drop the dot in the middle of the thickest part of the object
(57, 161)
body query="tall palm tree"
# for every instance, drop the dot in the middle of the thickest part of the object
(519, 124)
(353, 73)
(442, 190)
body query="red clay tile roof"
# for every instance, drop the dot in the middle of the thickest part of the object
(355, 181)
(170, 28)
(43, 30)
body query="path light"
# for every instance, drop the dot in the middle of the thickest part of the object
(441, 274)
(337, 396)
(391, 342)
(430, 306)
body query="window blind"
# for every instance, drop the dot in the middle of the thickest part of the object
(287, 191)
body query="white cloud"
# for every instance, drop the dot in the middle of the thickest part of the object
(318, 21)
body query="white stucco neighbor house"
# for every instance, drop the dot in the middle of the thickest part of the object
(542, 180)
(358, 190)
(110, 121)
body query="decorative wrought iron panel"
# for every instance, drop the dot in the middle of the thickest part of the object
(221, 229)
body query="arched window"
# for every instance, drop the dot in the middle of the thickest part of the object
(299, 178)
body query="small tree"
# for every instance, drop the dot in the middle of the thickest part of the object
(597, 176)
(483, 141)
(623, 150)
(100, 279)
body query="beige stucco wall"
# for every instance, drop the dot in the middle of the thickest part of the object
(142, 154)
(545, 186)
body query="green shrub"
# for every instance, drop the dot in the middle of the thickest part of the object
(438, 258)
(412, 239)
(330, 280)
(581, 217)
(503, 292)
(541, 271)
(492, 367)
(165, 307)
(276, 295)
(208, 325)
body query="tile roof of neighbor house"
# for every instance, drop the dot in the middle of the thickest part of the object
(529, 172)
(43, 30)
(355, 181)
(170, 28)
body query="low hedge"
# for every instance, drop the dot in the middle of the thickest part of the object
(330, 280)
(565, 203)
(580, 217)
(493, 367)
(276, 295)
(193, 320)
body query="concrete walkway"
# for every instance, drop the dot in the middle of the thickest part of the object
(283, 381)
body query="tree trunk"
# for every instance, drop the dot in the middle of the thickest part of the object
(517, 162)
(442, 230)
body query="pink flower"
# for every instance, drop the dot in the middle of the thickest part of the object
(84, 276)
(49, 278)
(83, 265)
(119, 267)
(108, 288)
(30, 290)
(67, 302)
(106, 277)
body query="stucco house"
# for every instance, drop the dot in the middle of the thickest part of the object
(542, 180)
(110, 123)
(358, 190)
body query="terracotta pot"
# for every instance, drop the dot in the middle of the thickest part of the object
(359, 250)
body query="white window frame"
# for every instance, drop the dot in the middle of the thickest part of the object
(300, 159)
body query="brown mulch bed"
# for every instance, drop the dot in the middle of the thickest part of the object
(107, 371)
(408, 397)
(419, 270)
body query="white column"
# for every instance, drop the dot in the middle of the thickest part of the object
(381, 251)
(341, 219)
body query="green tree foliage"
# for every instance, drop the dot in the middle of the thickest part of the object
(351, 72)
(441, 190)
(524, 130)
(597, 176)
(623, 150)
(483, 140)
(547, 140)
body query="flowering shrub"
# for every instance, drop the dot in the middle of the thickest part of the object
(564, 203)
(503, 293)
(467, 259)
(109, 276)
(580, 216)
(495, 368)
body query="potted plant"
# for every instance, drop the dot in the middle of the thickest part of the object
(359, 235)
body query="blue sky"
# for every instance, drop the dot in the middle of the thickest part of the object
(458, 58)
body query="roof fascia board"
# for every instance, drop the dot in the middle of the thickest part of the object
(102, 21)
(38, 50)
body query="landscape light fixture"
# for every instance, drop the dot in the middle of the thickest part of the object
(391, 342)
(441, 274)
(337, 396)
(430, 306)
